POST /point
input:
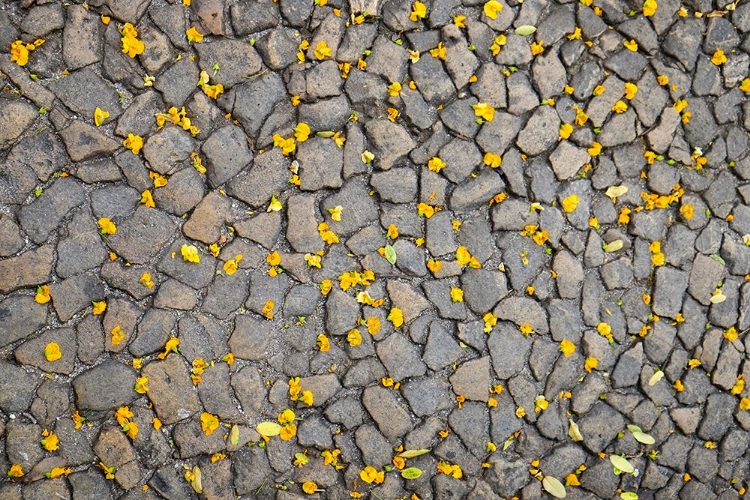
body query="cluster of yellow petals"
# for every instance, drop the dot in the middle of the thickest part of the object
(131, 45)
(52, 352)
(492, 9)
(118, 335)
(134, 143)
(426, 210)
(328, 236)
(464, 258)
(484, 111)
(267, 309)
(288, 428)
(50, 441)
(492, 160)
(355, 278)
(570, 203)
(99, 116)
(354, 337)
(323, 342)
(567, 348)
(396, 316)
(322, 50)
(123, 415)
(287, 145)
(146, 281)
(42, 294)
(371, 475)
(436, 164)
(140, 385)
(439, 52)
(232, 265)
(147, 199)
(190, 253)
(19, 51)
(450, 469)
(657, 257)
(419, 11)
(209, 423)
(107, 226)
(591, 363)
(540, 236)
(490, 320)
(652, 201)
(171, 346)
(649, 8)
(212, 91)
(193, 35)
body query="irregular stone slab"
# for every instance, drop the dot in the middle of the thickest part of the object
(407, 298)
(177, 82)
(32, 352)
(497, 135)
(114, 450)
(83, 91)
(168, 150)
(392, 419)
(85, 142)
(390, 142)
(472, 379)
(44, 214)
(143, 235)
(75, 294)
(82, 38)
(567, 160)
(360, 208)
(238, 60)
(541, 131)
(227, 153)
(207, 220)
(170, 389)
(476, 192)
(19, 386)
(321, 161)
(43, 152)
(15, 117)
(138, 118)
(255, 100)
(32, 267)
(195, 275)
(670, 286)
(523, 310)
(95, 391)
(250, 337)
(302, 232)
(509, 350)
(268, 175)
(183, 192)
(400, 357)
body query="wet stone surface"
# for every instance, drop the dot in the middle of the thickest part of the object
(289, 249)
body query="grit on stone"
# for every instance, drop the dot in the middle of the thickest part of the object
(375, 249)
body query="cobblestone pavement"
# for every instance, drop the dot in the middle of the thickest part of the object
(387, 250)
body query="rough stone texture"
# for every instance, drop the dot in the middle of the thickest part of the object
(500, 257)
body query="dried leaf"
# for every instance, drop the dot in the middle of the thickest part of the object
(390, 254)
(613, 246)
(325, 133)
(268, 429)
(622, 464)
(616, 191)
(197, 483)
(554, 487)
(629, 495)
(718, 297)
(411, 473)
(656, 377)
(508, 442)
(574, 432)
(234, 435)
(413, 453)
(525, 30)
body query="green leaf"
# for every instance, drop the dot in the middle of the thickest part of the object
(411, 473)
(718, 259)
(554, 487)
(390, 254)
(325, 134)
(629, 495)
(525, 30)
(268, 429)
(622, 464)
(634, 428)
(644, 438)
(234, 435)
(413, 453)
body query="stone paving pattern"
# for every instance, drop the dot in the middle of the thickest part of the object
(501, 246)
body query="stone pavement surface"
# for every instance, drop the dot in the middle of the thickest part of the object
(389, 250)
